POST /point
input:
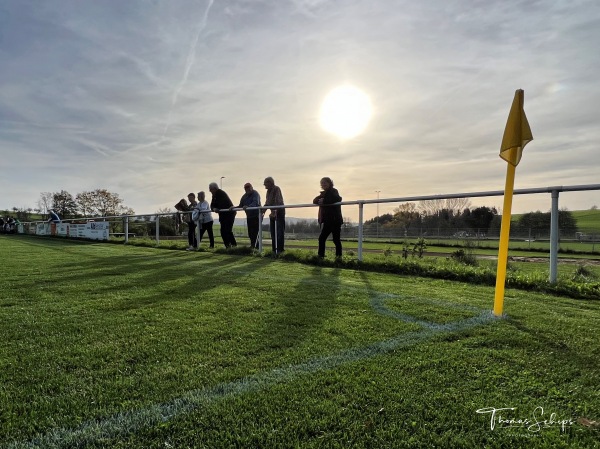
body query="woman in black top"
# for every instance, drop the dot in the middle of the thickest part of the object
(330, 217)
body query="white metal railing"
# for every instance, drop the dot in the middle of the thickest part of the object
(553, 190)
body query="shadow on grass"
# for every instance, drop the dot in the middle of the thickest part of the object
(525, 336)
(137, 280)
(303, 309)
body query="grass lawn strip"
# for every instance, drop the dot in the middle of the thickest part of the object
(125, 338)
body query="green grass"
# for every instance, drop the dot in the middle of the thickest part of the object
(483, 247)
(441, 266)
(121, 346)
(588, 221)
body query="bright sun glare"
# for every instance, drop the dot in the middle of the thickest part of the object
(345, 112)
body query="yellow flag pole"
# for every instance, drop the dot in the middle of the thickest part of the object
(504, 240)
(517, 134)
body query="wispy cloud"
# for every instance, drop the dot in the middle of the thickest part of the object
(188, 64)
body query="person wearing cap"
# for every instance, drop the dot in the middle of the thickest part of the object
(251, 198)
(222, 205)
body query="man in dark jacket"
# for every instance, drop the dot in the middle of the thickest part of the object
(251, 199)
(221, 204)
(330, 217)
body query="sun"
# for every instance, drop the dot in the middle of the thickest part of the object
(345, 112)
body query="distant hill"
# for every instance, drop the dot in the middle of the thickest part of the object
(588, 221)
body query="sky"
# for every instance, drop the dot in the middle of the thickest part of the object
(155, 99)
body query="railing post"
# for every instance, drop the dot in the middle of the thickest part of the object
(554, 238)
(197, 230)
(360, 230)
(260, 231)
(126, 228)
(157, 222)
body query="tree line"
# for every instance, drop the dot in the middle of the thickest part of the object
(445, 217)
(93, 203)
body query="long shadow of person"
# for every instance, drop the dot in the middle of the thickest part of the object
(298, 314)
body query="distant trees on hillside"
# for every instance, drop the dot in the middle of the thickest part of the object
(64, 204)
(101, 203)
(413, 219)
(439, 216)
(95, 203)
(538, 223)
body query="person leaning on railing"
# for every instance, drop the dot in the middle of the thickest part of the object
(180, 207)
(277, 216)
(221, 204)
(203, 218)
(330, 217)
(192, 240)
(54, 218)
(251, 198)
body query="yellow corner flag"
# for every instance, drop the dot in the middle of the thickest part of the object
(517, 134)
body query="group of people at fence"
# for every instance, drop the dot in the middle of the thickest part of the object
(8, 225)
(198, 215)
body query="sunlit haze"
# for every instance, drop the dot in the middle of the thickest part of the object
(345, 112)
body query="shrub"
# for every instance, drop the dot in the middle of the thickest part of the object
(465, 255)
(583, 274)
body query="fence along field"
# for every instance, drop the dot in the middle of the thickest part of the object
(112, 346)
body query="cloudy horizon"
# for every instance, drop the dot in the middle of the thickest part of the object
(155, 99)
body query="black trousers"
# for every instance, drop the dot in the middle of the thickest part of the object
(330, 228)
(277, 241)
(208, 227)
(226, 219)
(253, 225)
(192, 234)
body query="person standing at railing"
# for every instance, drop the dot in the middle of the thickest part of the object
(277, 216)
(221, 204)
(180, 207)
(251, 198)
(192, 240)
(54, 218)
(204, 220)
(330, 217)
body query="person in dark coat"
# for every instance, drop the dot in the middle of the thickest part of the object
(221, 204)
(192, 239)
(330, 217)
(251, 198)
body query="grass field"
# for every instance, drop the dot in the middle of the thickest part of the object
(130, 347)
(588, 220)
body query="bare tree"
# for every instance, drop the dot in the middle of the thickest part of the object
(436, 206)
(45, 202)
(457, 204)
(431, 207)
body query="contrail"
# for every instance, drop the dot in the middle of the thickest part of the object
(188, 65)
